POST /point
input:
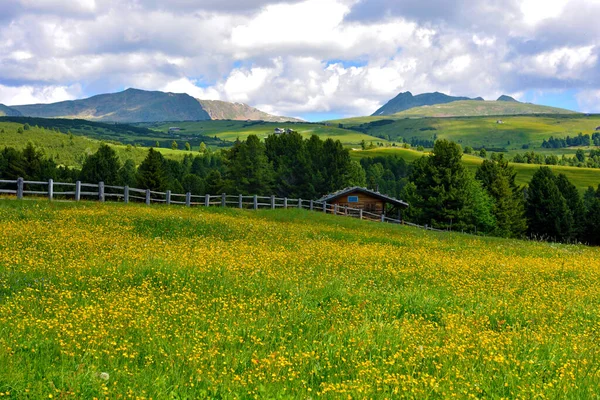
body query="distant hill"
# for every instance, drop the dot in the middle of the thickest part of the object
(240, 112)
(472, 108)
(6, 111)
(405, 101)
(134, 105)
(507, 98)
(131, 105)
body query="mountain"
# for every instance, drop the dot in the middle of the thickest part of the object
(134, 105)
(472, 108)
(507, 98)
(131, 105)
(6, 111)
(217, 109)
(406, 101)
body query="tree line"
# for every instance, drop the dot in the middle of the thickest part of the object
(441, 191)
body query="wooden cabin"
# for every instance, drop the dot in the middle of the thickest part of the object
(367, 200)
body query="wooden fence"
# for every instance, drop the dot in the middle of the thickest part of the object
(88, 191)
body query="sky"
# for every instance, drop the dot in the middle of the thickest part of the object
(313, 59)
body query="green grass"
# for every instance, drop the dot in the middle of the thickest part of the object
(128, 301)
(512, 134)
(68, 151)
(470, 108)
(233, 130)
(580, 177)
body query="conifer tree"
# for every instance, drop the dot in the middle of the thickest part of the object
(152, 172)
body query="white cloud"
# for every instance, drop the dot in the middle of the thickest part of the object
(589, 101)
(11, 95)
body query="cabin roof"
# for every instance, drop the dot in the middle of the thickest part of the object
(372, 193)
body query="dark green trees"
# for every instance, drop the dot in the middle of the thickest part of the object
(498, 179)
(249, 169)
(102, 166)
(152, 173)
(446, 194)
(548, 213)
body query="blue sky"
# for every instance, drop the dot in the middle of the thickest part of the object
(314, 59)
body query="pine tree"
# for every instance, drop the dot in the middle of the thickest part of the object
(548, 214)
(188, 147)
(575, 204)
(102, 166)
(127, 174)
(249, 170)
(498, 179)
(152, 172)
(174, 145)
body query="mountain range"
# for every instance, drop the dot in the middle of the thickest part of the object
(441, 105)
(134, 105)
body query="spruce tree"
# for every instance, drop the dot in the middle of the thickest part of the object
(548, 214)
(249, 169)
(152, 172)
(498, 179)
(102, 166)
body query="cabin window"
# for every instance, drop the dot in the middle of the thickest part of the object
(352, 199)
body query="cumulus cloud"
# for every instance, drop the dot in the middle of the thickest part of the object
(298, 57)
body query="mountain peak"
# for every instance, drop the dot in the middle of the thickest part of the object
(405, 101)
(507, 98)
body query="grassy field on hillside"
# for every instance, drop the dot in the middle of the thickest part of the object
(114, 301)
(580, 177)
(232, 130)
(467, 108)
(511, 134)
(71, 151)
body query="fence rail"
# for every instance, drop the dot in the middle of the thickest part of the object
(127, 194)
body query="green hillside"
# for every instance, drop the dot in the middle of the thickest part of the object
(70, 150)
(112, 300)
(580, 177)
(406, 100)
(7, 111)
(472, 108)
(511, 134)
(232, 130)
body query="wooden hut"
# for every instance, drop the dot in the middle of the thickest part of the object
(367, 200)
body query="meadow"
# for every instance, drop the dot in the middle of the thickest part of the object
(70, 150)
(511, 134)
(580, 177)
(128, 301)
(232, 130)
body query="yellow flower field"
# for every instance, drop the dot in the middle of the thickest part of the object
(115, 301)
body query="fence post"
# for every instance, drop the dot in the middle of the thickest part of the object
(360, 214)
(188, 199)
(223, 200)
(335, 209)
(101, 191)
(285, 202)
(77, 190)
(345, 210)
(324, 206)
(382, 217)
(168, 197)
(299, 203)
(272, 202)
(148, 196)
(241, 201)
(50, 189)
(312, 205)
(126, 194)
(20, 188)
(255, 202)
(207, 200)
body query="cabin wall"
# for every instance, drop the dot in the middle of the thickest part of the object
(365, 202)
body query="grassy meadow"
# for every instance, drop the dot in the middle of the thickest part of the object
(68, 150)
(232, 130)
(580, 177)
(129, 301)
(511, 134)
